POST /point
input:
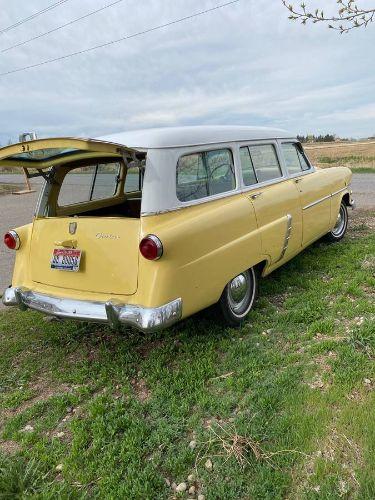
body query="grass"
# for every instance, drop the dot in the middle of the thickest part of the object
(360, 157)
(359, 164)
(282, 407)
(8, 188)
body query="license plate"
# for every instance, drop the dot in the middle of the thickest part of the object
(66, 259)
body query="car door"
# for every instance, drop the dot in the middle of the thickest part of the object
(275, 200)
(314, 189)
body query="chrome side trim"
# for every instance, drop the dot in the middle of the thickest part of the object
(325, 198)
(339, 191)
(316, 202)
(287, 236)
(113, 312)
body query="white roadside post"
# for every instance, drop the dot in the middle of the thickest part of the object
(28, 136)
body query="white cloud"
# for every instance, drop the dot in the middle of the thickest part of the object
(242, 64)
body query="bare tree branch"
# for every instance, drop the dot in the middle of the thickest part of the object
(348, 16)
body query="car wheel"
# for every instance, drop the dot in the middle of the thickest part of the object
(339, 230)
(238, 297)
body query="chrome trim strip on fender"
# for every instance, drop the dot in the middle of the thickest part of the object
(339, 191)
(113, 312)
(317, 202)
(325, 198)
(287, 236)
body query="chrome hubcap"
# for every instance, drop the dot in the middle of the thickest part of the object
(340, 223)
(239, 291)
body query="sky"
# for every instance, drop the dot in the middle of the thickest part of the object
(244, 64)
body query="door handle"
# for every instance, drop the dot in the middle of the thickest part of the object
(297, 180)
(255, 195)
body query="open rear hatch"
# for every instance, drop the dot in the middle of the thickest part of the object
(88, 253)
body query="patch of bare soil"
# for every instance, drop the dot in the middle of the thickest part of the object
(321, 379)
(146, 348)
(337, 449)
(9, 447)
(369, 291)
(278, 300)
(361, 221)
(141, 391)
(43, 390)
(368, 263)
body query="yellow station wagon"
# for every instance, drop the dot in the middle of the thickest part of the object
(148, 227)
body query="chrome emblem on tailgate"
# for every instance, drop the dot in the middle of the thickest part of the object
(103, 236)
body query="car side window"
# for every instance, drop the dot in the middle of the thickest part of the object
(133, 180)
(89, 183)
(247, 167)
(294, 158)
(205, 174)
(302, 158)
(265, 162)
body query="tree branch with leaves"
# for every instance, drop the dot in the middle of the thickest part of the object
(348, 16)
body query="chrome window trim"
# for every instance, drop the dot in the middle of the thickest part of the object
(255, 187)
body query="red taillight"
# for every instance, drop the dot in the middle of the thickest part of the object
(151, 247)
(12, 240)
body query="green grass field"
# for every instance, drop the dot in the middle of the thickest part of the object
(280, 408)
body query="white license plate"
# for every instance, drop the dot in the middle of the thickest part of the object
(66, 259)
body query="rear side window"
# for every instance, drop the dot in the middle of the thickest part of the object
(133, 180)
(89, 183)
(294, 157)
(265, 162)
(205, 174)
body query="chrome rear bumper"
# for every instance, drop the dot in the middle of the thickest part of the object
(113, 312)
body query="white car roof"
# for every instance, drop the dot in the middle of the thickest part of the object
(172, 137)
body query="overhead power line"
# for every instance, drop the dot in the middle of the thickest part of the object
(33, 16)
(61, 26)
(127, 37)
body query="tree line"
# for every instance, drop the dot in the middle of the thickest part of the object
(316, 138)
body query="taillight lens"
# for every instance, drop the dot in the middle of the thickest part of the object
(12, 240)
(151, 247)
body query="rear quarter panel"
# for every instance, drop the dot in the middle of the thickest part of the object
(205, 246)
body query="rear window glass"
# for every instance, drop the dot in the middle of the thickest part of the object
(205, 174)
(89, 183)
(265, 162)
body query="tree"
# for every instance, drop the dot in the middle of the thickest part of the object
(347, 17)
